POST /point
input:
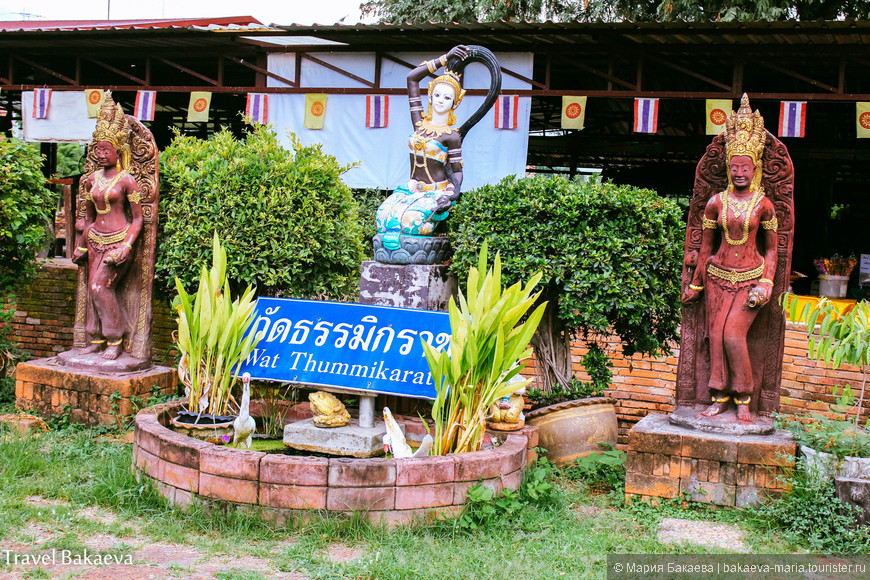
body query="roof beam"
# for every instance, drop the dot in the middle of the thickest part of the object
(183, 69)
(260, 70)
(688, 72)
(38, 66)
(798, 76)
(340, 71)
(117, 71)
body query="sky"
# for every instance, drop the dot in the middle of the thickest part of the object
(266, 11)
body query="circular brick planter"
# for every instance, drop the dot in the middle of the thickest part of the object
(394, 491)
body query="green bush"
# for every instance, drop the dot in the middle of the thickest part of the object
(611, 257)
(25, 207)
(287, 221)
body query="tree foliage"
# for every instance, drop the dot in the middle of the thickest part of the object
(289, 224)
(25, 207)
(610, 257)
(466, 11)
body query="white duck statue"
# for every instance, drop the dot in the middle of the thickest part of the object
(395, 443)
(244, 425)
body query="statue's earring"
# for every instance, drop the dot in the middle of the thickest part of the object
(118, 165)
(451, 118)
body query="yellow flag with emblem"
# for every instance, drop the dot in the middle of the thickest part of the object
(200, 102)
(315, 110)
(573, 112)
(863, 120)
(717, 113)
(94, 99)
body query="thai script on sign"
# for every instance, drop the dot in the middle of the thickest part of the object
(348, 346)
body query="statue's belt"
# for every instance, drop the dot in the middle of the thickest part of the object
(107, 239)
(734, 276)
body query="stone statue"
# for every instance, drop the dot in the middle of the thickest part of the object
(116, 224)
(328, 410)
(408, 221)
(738, 256)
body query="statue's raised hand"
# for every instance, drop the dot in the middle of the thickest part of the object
(459, 51)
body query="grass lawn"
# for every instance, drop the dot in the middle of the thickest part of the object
(71, 488)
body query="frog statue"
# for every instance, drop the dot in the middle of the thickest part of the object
(328, 410)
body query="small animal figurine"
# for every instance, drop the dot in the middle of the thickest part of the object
(395, 443)
(244, 425)
(328, 410)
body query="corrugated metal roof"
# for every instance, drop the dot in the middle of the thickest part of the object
(242, 23)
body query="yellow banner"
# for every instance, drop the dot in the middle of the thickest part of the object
(94, 98)
(863, 120)
(573, 112)
(197, 110)
(717, 113)
(315, 110)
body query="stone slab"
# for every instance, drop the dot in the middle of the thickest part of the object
(660, 425)
(348, 441)
(406, 286)
(726, 423)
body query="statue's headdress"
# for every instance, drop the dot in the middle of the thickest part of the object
(112, 127)
(454, 80)
(745, 135)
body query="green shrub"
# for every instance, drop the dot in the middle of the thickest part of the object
(286, 219)
(611, 257)
(25, 207)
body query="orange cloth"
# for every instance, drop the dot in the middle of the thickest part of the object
(842, 305)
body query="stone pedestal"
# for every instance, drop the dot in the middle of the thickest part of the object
(665, 460)
(406, 286)
(88, 396)
(352, 440)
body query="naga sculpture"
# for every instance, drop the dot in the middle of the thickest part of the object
(738, 256)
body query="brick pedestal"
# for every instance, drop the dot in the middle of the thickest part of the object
(51, 389)
(406, 286)
(665, 460)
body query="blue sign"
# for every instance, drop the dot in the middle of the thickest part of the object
(347, 346)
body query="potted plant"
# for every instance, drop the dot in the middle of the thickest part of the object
(487, 346)
(834, 275)
(213, 340)
(574, 419)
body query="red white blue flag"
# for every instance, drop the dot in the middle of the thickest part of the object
(377, 111)
(506, 111)
(646, 115)
(792, 118)
(146, 102)
(41, 99)
(257, 109)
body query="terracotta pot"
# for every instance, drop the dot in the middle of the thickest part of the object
(574, 428)
(208, 427)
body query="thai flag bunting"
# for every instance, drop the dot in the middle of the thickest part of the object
(377, 111)
(257, 109)
(146, 101)
(506, 109)
(41, 99)
(792, 118)
(646, 115)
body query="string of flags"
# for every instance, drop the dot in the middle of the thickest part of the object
(792, 114)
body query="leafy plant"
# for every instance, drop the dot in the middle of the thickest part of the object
(840, 338)
(575, 389)
(25, 207)
(610, 256)
(212, 336)
(603, 470)
(812, 514)
(289, 223)
(487, 345)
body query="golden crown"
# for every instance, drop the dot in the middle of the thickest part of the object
(453, 79)
(112, 125)
(744, 133)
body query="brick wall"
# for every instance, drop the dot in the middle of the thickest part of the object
(45, 312)
(641, 385)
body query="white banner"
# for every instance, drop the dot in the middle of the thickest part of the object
(382, 153)
(67, 120)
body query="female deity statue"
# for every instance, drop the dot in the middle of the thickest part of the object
(733, 273)
(114, 291)
(409, 217)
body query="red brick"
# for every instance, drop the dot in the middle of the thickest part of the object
(708, 448)
(425, 470)
(149, 464)
(461, 488)
(293, 496)
(180, 449)
(235, 463)
(229, 489)
(424, 496)
(761, 453)
(513, 480)
(178, 476)
(637, 483)
(346, 472)
(478, 465)
(294, 470)
(360, 498)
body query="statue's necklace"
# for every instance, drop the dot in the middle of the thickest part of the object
(427, 127)
(105, 186)
(747, 206)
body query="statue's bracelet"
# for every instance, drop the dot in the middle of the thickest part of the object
(766, 281)
(127, 245)
(696, 288)
(82, 250)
